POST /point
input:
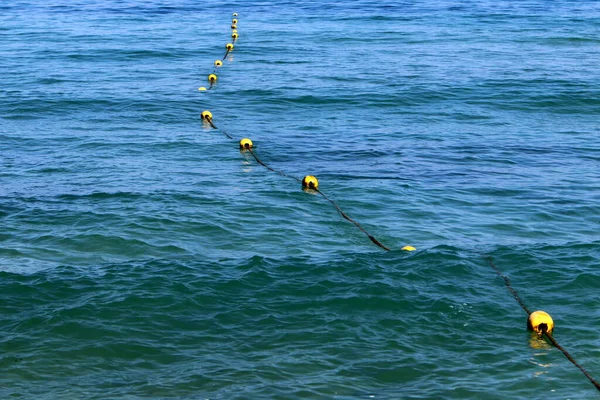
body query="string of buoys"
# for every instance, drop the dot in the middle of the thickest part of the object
(212, 78)
(538, 321)
(207, 116)
(541, 323)
(309, 182)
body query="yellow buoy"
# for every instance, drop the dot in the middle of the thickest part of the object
(538, 320)
(310, 182)
(233, 26)
(218, 63)
(234, 35)
(206, 114)
(245, 144)
(201, 88)
(212, 78)
(229, 46)
(234, 21)
(235, 14)
(408, 248)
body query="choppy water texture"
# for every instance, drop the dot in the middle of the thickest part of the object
(143, 256)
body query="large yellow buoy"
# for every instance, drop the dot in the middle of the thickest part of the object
(206, 114)
(245, 144)
(229, 46)
(310, 182)
(540, 321)
(234, 21)
(408, 248)
(218, 63)
(212, 78)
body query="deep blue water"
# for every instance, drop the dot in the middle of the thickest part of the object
(142, 255)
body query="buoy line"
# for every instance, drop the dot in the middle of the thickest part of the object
(540, 322)
(309, 182)
(207, 116)
(212, 78)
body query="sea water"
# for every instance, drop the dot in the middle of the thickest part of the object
(142, 255)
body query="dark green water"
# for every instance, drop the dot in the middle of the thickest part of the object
(142, 255)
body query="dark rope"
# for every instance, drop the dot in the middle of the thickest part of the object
(566, 353)
(225, 56)
(343, 214)
(543, 327)
(508, 285)
(270, 168)
(209, 119)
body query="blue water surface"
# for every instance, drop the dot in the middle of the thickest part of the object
(143, 255)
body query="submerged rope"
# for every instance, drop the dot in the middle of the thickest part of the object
(226, 53)
(214, 127)
(544, 327)
(343, 214)
(508, 285)
(268, 167)
(570, 358)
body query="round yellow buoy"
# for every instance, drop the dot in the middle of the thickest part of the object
(537, 320)
(201, 88)
(234, 35)
(235, 14)
(245, 144)
(234, 21)
(212, 78)
(408, 248)
(206, 114)
(310, 182)
(218, 63)
(234, 31)
(229, 46)
(234, 26)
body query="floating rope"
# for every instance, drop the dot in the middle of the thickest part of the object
(543, 328)
(246, 144)
(508, 285)
(538, 321)
(270, 168)
(311, 183)
(229, 47)
(570, 358)
(207, 116)
(343, 214)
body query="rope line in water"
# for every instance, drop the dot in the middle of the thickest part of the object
(544, 330)
(570, 358)
(508, 285)
(207, 116)
(209, 120)
(212, 78)
(268, 167)
(343, 214)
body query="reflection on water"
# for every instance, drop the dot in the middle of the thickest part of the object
(539, 343)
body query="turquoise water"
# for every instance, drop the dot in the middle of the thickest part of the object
(142, 255)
